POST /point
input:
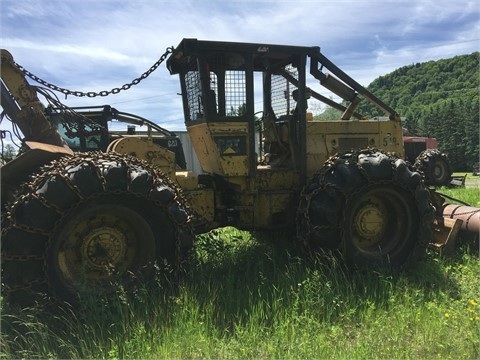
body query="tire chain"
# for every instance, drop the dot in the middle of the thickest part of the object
(304, 232)
(425, 158)
(63, 163)
(103, 93)
(318, 177)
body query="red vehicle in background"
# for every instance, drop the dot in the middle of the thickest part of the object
(423, 152)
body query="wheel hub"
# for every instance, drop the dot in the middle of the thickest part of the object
(104, 246)
(438, 171)
(101, 241)
(369, 224)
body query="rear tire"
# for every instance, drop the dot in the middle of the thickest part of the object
(91, 223)
(435, 166)
(368, 205)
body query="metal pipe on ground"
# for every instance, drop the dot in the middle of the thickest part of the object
(469, 215)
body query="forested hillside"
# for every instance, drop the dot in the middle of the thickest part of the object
(437, 99)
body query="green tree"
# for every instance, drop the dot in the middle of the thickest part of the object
(8, 152)
(437, 99)
(239, 111)
(329, 113)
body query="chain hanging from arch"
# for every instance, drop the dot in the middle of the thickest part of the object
(92, 94)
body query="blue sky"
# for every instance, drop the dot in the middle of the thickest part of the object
(94, 45)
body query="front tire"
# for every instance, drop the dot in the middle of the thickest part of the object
(368, 205)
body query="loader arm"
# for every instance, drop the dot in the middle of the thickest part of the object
(348, 89)
(20, 102)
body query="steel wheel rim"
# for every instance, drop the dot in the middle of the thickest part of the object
(379, 221)
(100, 243)
(439, 171)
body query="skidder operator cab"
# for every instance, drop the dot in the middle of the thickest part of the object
(248, 103)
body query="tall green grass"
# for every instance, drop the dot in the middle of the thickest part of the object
(251, 295)
(468, 195)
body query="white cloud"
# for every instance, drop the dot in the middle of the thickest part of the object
(95, 45)
(95, 52)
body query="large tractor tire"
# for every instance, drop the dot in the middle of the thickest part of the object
(435, 166)
(368, 205)
(90, 223)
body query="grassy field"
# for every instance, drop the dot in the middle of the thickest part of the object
(250, 295)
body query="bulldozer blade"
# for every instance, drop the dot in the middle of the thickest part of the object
(445, 235)
(456, 219)
(16, 171)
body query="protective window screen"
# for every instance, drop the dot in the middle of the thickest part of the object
(282, 100)
(195, 107)
(235, 93)
(214, 88)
